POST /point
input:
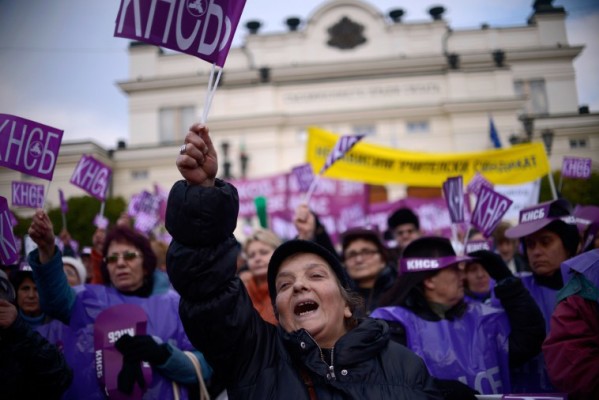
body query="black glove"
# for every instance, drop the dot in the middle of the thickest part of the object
(142, 347)
(493, 264)
(129, 374)
(455, 390)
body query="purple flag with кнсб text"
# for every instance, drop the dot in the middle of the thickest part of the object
(304, 176)
(25, 194)
(92, 176)
(28, 146)
(477, 182)
(343, 145)
(576, 168)
(490, 208)
(9, 251)
(453, 190)
(201, 28)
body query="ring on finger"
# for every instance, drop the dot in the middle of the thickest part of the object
(182, 149)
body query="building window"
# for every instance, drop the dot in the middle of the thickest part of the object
(417, 127)
(367, 130)
(139, 175)
(578, 143)
(536, 95)
(175, 122)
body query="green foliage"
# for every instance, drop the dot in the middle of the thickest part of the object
(80, 218)
(577, 191)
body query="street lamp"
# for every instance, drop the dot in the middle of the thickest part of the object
(226, 163)
(529, 124)
(547, 136)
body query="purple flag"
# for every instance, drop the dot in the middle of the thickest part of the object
(28, 146)
(453, 190)
(100, 221)
(64, 207)
(490, 208)
(9, 251)
(145, 222)
(25, 194)
(476, 183)
(201, 28)
(576, 168)
(92, 176)
(110, 325)
(304, 176)
(343, 145)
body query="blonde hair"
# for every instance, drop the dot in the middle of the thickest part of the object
(265, 236)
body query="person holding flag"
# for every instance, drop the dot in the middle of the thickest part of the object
(459, 340)
(319, 349)
(127, 270)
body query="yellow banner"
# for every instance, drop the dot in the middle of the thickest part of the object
(383, 165)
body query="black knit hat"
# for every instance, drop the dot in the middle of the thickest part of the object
(402, 216)
(296, 246)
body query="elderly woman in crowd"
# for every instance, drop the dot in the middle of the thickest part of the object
(257, 250)
(461, 340)
(127, 271)
(319, 350)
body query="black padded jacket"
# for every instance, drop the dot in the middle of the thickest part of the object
(257, 359)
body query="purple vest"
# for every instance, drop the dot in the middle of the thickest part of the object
(77, 339)
(472, 349)
(532, 377)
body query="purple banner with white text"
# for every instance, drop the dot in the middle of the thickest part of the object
(576, 168)
(25, 194)
(339, 204)
(92, 176)
(490, 209)
(9, 249)
(201, 28)
(28, 146)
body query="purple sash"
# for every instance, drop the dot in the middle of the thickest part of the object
(472, 349)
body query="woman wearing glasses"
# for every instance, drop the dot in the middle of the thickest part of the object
(366, 261)
(128, 272)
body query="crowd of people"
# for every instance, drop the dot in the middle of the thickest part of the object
(398, 316)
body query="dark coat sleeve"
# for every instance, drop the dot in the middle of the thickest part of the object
(215, 309)
(527, 325)
(45, 366)
(571, 349)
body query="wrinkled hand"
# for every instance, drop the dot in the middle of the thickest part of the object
(304, 222)
(142, 347)
(199, 164)
(8, 314)
(41, 232)
(493, 264)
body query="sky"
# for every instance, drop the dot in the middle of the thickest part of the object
(59, 60)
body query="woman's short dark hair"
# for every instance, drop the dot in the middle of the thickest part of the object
(124, 234)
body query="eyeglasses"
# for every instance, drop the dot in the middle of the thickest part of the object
(127, 256)
(364, 253)
(406, 231)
